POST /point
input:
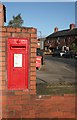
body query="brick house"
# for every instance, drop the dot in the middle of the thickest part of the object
(61, 40)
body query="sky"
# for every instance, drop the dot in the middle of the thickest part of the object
(44, 16)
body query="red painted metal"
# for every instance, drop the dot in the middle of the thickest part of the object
(17, 63)
(38, 61)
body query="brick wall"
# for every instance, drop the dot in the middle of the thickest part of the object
(31, 106)
(13, 95)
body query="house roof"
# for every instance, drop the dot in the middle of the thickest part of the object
(62, 33)
(72, 32)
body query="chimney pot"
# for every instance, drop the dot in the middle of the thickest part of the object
(56, 29)
(72, 26)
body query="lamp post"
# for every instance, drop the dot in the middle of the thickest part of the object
(41, 41)
(40, 33)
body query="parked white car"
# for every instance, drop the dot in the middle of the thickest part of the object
(62, 53)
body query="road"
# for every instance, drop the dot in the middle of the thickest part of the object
(57, 70)
(70, 62)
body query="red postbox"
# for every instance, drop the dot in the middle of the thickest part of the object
(38, 62)
(17, 63)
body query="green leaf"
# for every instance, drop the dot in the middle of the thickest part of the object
(17, 21)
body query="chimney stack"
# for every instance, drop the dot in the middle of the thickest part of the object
(56, 29)
(2, 14)
(72, 26)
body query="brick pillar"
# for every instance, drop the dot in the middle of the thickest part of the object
(1, 15)
(1, 56)
(10, 106)
(9, 97)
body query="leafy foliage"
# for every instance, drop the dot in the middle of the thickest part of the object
(74, 47)
(16, 22)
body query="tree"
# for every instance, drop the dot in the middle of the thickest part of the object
(74, 47)
(16, 22)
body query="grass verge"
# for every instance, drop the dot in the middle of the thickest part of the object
(49, 89)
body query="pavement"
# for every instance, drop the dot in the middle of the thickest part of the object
(55, 71)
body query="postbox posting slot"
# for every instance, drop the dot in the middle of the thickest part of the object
(18, 47)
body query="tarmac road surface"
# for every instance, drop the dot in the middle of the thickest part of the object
(57, 70)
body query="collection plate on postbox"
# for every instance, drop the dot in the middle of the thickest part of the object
(17, 63)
